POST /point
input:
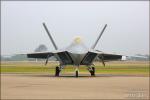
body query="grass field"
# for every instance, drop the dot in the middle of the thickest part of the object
(123, 68)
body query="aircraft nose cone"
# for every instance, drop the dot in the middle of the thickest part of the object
(77, 40)
(77, 46)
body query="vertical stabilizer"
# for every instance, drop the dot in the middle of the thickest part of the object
(48, 33)
(99, 37)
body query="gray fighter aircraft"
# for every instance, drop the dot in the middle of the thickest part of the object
(76, 54)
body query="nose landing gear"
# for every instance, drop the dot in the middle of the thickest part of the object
(77, 71)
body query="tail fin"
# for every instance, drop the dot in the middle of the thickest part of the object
(99, 37)
(48, 33)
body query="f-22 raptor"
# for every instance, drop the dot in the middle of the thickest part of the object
(76, 54)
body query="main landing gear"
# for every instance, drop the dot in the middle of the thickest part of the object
(92, 71)
(57, 71)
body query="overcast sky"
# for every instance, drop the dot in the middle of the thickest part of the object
(127, 32)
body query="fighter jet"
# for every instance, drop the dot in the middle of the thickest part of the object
(76, 54)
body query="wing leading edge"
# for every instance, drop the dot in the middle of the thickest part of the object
(42, 55)
(109, 57)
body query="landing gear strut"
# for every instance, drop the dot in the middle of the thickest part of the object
(77, 72)
(92, 71)
(57, 71)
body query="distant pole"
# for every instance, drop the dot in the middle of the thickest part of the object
(36, 60)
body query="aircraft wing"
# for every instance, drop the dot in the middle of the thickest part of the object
(42, 55)
(109, 57)
(62, 56)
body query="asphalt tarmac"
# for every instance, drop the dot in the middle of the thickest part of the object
(45, 86)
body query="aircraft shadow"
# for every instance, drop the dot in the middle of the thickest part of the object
(73, 76)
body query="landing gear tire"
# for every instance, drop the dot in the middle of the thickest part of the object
(57, 71)
(77, 72)
(93, 71)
